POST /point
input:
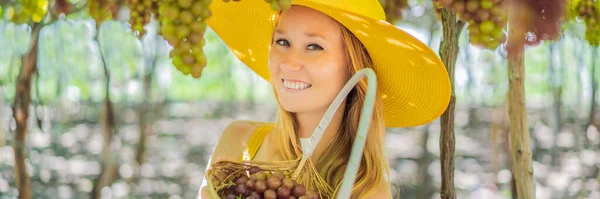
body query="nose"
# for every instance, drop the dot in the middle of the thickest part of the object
(291, 62)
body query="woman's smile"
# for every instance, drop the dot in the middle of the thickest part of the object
(291, 85)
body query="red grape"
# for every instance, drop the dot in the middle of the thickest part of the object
(253, 195)
(260, 176)
(288, 182)
(241, 180)
(241, 189)
(273, 183)
(270, 194)
(260, 186)
(279, 175)
(299, 190)
(283, 192)
(254, 169)
(312, 195)
(250, 184)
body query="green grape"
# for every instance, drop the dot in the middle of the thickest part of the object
(186, 17)
(486, 26)
(184, 3)
(486, 4)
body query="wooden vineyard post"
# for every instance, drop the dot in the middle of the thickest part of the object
(448, 53)
(519, 132)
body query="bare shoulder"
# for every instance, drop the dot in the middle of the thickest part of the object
(233, 140)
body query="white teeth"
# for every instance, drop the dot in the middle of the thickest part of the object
(295, 85)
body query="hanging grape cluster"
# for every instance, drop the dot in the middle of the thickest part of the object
(393, 9)
(486, 20)
(101, 10)
(183, 26)
(263, 184)
(140, 14)
(25, 11)
(588, 11)
(543, 21)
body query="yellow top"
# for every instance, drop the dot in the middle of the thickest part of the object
(255, 141)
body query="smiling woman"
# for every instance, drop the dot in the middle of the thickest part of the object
(314, 50)
(308, 56)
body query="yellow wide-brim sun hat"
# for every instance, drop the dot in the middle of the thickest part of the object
(413, 81)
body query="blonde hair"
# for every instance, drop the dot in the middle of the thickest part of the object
(333, 162)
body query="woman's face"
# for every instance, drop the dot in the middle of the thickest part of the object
(307, 60)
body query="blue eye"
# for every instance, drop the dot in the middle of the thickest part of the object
(314, 47)
(282, 42)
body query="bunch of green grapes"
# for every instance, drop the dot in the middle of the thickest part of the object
(183, 23)
(588, 11)
(101, 10)
(140, 14)
(486, 20)
(28, 10)
(393, 9)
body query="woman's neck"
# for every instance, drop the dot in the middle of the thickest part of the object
(308, 122)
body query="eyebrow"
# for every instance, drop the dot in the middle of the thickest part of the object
(309, 34)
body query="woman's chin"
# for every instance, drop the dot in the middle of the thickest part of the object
(292, 108)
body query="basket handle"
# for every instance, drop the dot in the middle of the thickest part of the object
(309, 144)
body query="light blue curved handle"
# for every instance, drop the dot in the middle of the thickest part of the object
(361, 136)
(309, 144)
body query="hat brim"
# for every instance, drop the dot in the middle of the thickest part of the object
(414, 84)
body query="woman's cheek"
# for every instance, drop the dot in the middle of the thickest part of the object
(273, 63)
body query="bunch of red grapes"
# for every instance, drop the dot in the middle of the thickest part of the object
(266, 185)
(543, 21)
(486, 18)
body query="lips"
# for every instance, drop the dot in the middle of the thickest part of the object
(295, 84)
